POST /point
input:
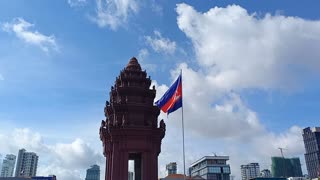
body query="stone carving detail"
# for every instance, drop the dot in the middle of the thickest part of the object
(131, 91)
(131, 116)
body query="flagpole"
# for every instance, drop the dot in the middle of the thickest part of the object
(184, 160)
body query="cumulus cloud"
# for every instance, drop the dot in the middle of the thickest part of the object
(66, 160)
(22, 138)
(21, 28)
(74, 155)
(219, 121)
(291, 140)
(114, 13)
(216, 109)
(232, 45)
(59, 172)
(236, 51)
(161, 44)
(143, 54)
(77, 3)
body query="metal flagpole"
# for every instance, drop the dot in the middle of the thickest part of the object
(184, 160)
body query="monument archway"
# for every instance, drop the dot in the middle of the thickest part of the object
(131, 131)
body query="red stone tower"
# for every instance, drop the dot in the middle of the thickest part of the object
(130, 131)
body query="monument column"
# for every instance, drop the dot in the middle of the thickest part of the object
(131, 129)
(123, 165)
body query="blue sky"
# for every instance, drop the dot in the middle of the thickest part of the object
(250, 72)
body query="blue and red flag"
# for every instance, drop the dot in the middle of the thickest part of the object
(172, 99)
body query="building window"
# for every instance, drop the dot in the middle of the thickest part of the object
(212, 177)
(226, 170)
(203, 171)
(214, 169)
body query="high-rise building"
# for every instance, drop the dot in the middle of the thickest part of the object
(8, 165)
(171, 168)
(250, 171)
(211, 167)
(286, 167)
(311, 139)
(130, 175)
(265, 173)
(50, 177)
(14, 178)
(93, 173)
(27, 164)
(0, 162)
(181, 177)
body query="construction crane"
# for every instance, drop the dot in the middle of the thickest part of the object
(281, 150)
(284, 166)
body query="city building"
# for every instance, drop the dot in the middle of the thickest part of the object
(250, 171)
(27, 164)
(171, 168)
(270, 178)
(211, 167)
(130, 175)
(14, 178)
(297, 178)
(265, 173)
(181, 177)
(286, 167)
(8, 166)
(311, 139)
(0, 162)
(93, 173)
(52, 177)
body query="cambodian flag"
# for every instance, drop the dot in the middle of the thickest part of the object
(172, 99)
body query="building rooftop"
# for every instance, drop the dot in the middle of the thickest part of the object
(210, 157)
(268, 178)
(250, 164)
(315, 129)
(312, 129)
(180, 176)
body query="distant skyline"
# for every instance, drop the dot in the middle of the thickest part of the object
(250, 73)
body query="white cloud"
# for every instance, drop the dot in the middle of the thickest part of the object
(156, 7)
(22, 138)
(59, 172)
(74, 155)
(21, 28)
(291, 140)
(260, 148)
(161, 44)
(66, 160)
(219, 121)
(1, 77)
(143, 53)
(241, 50)
(77, 3)
(114, 13)
(222, 114)
(236, 51)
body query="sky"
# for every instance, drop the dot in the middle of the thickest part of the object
(250, 73)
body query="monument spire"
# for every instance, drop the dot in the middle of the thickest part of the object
(130, 130)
